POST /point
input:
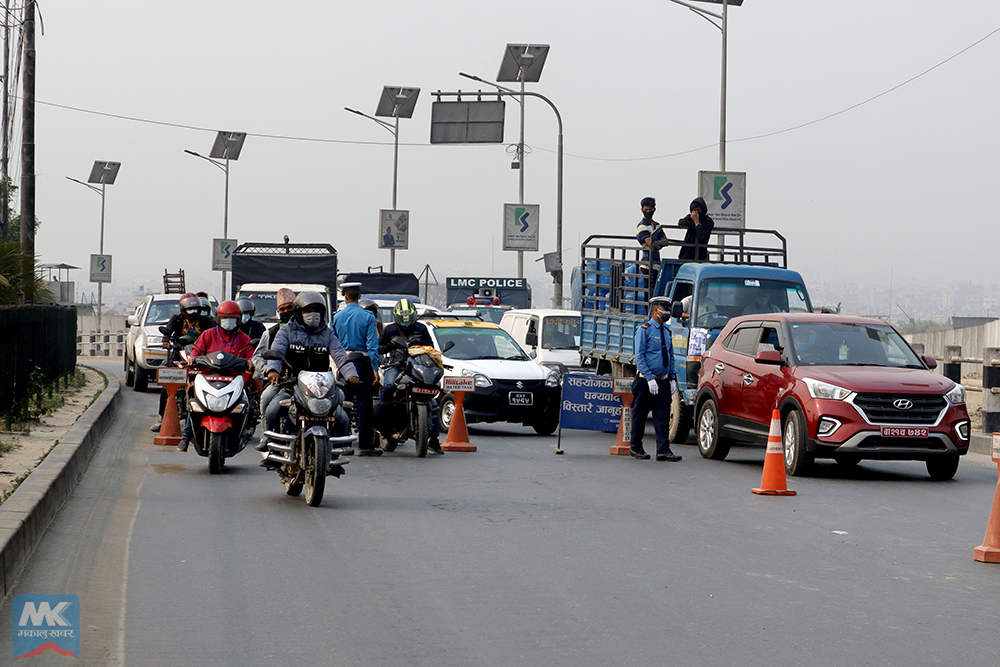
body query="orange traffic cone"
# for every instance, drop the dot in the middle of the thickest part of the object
(772, 482)
(170, 427)
(458, 433)
(989, 550)
(623, 440)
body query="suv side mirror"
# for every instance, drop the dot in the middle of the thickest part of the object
(769, 357)
(132, 320)
(930, 361)
(677, 310)
(531, 339)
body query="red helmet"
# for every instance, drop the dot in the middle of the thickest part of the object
(189, 300)
(230, 309)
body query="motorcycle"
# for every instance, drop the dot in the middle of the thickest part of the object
(303, 452)
(407, 412)
(219, 408)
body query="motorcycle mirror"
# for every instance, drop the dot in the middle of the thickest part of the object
(273, 355)
(165, 331)
(255, 342)
(185, 340)
(447, 346)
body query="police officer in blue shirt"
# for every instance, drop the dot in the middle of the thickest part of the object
(355, 327)
(656, 383)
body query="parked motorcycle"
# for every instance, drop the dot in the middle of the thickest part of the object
(407, 412)
(219, 408)
(310, 441)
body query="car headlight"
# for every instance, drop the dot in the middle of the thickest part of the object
(552, 380)
(154, 341)
(957, 395)
(820, 389)
(481, 380)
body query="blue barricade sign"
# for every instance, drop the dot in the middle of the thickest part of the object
(588, 403)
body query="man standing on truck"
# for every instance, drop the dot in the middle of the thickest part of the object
(355, 327)
(653, 388)
(699, 228)
(652, 237)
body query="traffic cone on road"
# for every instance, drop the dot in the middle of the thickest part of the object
(170, 428)
(622, 443)
(773, 482)
(458, 433)
(989, 550)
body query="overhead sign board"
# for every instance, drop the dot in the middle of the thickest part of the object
(222, 254)
(520, 227)
(725, 192)
(487, 283)
(393, 229)
(467, 122)
(100, 268)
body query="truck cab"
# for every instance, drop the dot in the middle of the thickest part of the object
(746, 273)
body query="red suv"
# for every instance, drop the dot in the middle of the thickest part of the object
(848, 388)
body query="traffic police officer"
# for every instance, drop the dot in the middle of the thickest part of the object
(654, 386)
(355, 327)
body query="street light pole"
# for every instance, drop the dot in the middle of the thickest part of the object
(100, 285)
(224, 166)
(394, 131)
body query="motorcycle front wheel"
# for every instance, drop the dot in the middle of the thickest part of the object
(216, 453)
(317, 465)
(423, 428)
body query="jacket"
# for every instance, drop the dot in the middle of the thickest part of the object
(305, 350)
(397, 355)
(696, 237)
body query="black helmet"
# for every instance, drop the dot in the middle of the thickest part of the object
(189, 301)
(405, 314)
(307, 300)
(370, 306)
(206, 307)
(247, 307)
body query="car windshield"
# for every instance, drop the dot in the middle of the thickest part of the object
(265, 304)
(160, 312)
(719, 299)
(843, 344)
(478, 343)
(561, 333)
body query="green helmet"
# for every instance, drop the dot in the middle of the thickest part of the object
(405, 314)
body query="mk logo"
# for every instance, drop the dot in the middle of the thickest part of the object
(43, 613)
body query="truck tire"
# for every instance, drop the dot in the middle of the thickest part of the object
(681, 419)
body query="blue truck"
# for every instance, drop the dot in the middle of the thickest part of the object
(745, 273)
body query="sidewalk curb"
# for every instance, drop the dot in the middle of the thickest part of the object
(30, 509)
(981, 443)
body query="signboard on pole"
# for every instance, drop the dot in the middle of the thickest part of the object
(725, 192)
(393, 229)
(222, 254)
(460, 122)
(100, 268)
(166, 375)
(588, 403)
(520, 227)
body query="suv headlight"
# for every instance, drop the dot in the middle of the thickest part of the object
(820, 389)
(154, 341)
(481, 380)
(552, 380)
(957, 395)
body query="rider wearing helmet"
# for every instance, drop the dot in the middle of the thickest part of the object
(307, 344)
(248, 324)
(372, 307)
(206, 305)
(188, 322)
(224, 337)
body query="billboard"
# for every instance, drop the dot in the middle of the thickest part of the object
(520, 227)
(467, 122)
(393, 229)
(725, 192)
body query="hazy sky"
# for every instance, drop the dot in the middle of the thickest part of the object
(903, 183)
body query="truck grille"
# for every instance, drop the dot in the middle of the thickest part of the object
(881, 408)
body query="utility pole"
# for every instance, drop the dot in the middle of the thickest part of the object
(5, 122)
(28, 157)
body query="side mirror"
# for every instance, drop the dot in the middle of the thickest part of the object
(163, 330)
(769, 357)
(531, 338)
(132, 320)
(447, 346)
(930, 361)
(677, 310)
(184, 341)
(273, 355)
(254, 343)
(532, 354)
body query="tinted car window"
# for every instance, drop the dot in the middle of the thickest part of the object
(844, 344)
(746, 340)
(561, 333)
(160, 312)
(478, 343)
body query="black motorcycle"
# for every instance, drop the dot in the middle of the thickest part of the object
(407, 411)
(308, 444)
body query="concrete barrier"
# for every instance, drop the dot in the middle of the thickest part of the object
(30, 509)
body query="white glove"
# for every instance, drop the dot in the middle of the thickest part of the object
(673, 387)
(654, 387)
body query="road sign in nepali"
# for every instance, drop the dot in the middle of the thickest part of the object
(458, 383)
(222, 254)
(171, 376)
(623, 385)
(588, 403)
(100, 268)
(520, 227)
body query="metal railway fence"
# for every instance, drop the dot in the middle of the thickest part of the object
(34, 337)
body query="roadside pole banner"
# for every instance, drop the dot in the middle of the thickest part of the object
(588, 403)
(520, 227)
(725, 192)
(222, 254)
(393, 229)
(100, 268)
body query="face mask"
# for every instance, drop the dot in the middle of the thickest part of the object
(286, 316)
(228, 324)
(648, 215)
(191, 311)
(311, 320)
(245, 317)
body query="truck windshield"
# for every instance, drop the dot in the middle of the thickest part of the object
(561, 333)
(722, 298)
(265, 304)
(843, 344)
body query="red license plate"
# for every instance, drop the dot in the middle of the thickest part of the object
(903, 432)
(422, 390)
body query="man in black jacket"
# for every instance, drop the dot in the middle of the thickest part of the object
(699, 228)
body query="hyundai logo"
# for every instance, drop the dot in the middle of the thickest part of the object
(520, 385)
(903, 403)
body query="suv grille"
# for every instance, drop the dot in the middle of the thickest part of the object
(511, 385)
(879, 408)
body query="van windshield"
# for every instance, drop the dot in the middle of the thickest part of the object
(561, 333)
(720, 299)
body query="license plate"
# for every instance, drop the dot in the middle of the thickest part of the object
(903, 432)
(423, 390)
(520, 398)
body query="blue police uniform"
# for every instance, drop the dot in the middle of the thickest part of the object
(355, 327)
(654, 356)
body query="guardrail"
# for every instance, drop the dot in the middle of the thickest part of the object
(39, 347)
(951, 368)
